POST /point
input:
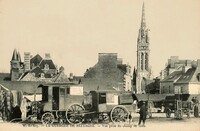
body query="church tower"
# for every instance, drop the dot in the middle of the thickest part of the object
(16, 66)
(142, 55)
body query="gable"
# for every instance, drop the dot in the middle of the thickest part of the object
(35, 60)
(29, 77)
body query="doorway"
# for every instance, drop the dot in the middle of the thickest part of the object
(55, 98)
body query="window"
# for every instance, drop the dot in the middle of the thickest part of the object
(45, 93)
(102, 98)
(163, 90)
(32, 65)
(146, 61)
(68, 90)
(46, 67)
(42, 75)
(142, 58)
(181, 90)
(62, 91)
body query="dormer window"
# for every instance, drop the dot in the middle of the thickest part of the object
(32, 65)
(42, 75)
(46, 67)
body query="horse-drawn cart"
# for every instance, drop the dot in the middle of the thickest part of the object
(66, 102)
(179, 105)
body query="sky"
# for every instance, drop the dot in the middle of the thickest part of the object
(75, 31)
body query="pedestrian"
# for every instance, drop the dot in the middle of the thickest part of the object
(130, 118)
(23, 109)
(143, 114)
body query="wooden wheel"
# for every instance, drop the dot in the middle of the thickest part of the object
(47, 118)
(119, 114)
(74, 114)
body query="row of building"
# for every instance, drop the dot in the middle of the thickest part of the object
(108, 73)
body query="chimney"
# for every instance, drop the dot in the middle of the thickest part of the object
(27, 57)
(47, 56)
(71, 75)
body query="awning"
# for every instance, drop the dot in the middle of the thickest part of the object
(150, 97)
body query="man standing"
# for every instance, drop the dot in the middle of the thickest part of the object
(143, 113)
(23, 109)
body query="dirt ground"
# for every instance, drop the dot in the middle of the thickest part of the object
(157, 123)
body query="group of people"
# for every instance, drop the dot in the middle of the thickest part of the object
(196, 106)
(22, 111)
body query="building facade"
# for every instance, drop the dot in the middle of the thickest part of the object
(108, 74)
(33, 68)
(175, 64)
(142, 54)
(185, 81)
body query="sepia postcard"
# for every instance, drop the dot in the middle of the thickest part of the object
(100, 65)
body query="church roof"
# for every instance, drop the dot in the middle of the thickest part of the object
(16, 56)
(36, 60)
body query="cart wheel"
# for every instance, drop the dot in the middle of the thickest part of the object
(119, 114)
(47, 118)
(74, 114)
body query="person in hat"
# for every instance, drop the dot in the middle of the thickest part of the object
(143, 114)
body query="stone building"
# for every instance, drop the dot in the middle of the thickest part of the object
(184, 81)
(142, 55)
(35, 68)
(108, 74)
(175, 64)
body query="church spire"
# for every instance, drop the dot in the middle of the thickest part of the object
(143, 22)
(14, 57)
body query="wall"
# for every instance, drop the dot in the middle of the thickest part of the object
(181, 88)
(194, 88)
(166, 88)
(104, 75)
